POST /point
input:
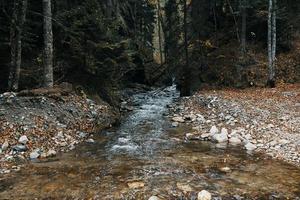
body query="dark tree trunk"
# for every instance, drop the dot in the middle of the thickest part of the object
(186, 79)
(18, 20)
(244, 26)
(48, 44)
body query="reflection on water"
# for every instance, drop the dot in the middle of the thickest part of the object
(139, 160)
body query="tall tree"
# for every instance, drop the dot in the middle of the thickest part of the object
(18, 20)
(48, 44)
(186, 85)
(272, 40)
(244, 26)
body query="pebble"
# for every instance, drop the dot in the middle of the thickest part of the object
(20, 148)
(178, 119)
(204, 195)
(5, 146)
(153, 198)
(23, 139)
(90, 140)
(235, 141)
(214, 130)
(250, 147)
(34, 155)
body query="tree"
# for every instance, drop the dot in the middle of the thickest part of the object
(48, 44)
(18, 20)
(272, 42)
(244, 26)
(186, 82)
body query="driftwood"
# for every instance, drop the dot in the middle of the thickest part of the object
(63, 89)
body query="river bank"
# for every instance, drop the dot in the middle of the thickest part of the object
(260, 120)
(39, 124)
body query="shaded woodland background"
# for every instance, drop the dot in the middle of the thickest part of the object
(105, 45)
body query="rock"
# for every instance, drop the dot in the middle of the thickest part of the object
(204, 195)
(190, 117)
(250, 147)
(192, 136)
(90, 140)
(222, 137)
(175, 124)
(178, 119)
(214, 130)
(153, 198)
(136, 185)
(225, 169)
(235, 141)
(184, 187)
(82, 134)
(5, 145)
(20, 148)
(51, 153)
(23, 139)
(35, 154)
(224, 131)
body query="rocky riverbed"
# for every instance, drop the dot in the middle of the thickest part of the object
(39, 124)
(260, 120)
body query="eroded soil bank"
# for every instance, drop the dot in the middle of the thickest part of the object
(43, 122)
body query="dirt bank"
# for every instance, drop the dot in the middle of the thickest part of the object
(40, 123)
(265, 120)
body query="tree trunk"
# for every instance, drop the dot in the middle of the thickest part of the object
(186, 82)
(271, 42)
(244, 26)
(48, 44)
(159, 31)
(18, 20)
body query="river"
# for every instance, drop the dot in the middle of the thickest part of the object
(145, 156)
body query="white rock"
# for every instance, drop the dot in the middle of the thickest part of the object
(153, 198)
(175, 124)
(250, 147)
(235, 141)
(220, 138)
(214, 130)
(34, 155)
(90, 140)
(224, 131)
(5, 145)
(23, 139)
(204, 195)
(51, 153)
(178, 119)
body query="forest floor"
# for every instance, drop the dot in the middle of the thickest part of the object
(40, 123)
(259, 119)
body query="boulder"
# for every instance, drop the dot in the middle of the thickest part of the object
(20, 148)
(204, 195)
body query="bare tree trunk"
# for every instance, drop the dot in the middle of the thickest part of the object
(244, 26)
(186, 82)
(274, 38)
(18, 20)
(48, 44)
(159, 31)
(271, 42)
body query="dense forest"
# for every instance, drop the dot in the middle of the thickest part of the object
(110, 43)
(150, 99)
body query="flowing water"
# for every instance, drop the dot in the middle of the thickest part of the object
(145, 157)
